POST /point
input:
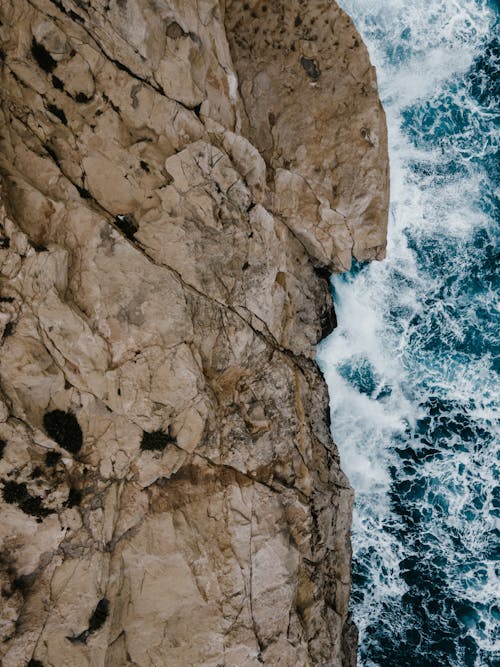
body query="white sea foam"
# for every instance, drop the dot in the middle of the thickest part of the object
(380, 365)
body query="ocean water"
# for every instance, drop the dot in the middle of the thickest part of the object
(413, 365)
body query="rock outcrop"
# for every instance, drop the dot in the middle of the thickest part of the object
(178, 178)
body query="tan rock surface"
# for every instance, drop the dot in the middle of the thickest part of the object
(176, 177)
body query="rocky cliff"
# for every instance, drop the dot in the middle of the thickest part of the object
(178, 178)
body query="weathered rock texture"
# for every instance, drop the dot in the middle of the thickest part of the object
(177, 177)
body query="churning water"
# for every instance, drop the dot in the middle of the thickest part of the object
(413, 365)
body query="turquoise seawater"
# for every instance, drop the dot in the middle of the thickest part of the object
(413, 364)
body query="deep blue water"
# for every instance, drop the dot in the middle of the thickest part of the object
(413, 365)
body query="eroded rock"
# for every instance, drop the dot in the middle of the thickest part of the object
(170, 490)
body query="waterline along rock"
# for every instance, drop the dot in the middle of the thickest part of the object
(177, 180)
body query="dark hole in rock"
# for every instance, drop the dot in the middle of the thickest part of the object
(156, 441)
(57, 83)
(83, 192)
(298, 20)
(36, 472)
(328, 322)
(42, 56)
(197, 109)
(52, 153)
(323, 272)
(7, 299)
(59, 113)
(328, 415)
(311, 67)
(74, 497)
(39, 247)
(271, 118)
(81, 98)
(35, 663)
(250, 207)
(9, 329)
(145, 166)
(126, 223)
(98, 618)
(2, 55)
(18, 494)
(245, 266)
(174, 30)
(4, 242)
(76, 17)
(96, 621)
(3, 445)
(63, 427)
(52, 458)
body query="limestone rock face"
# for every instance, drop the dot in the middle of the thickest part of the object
(177, 179)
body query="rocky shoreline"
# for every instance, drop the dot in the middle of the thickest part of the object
(177, 179)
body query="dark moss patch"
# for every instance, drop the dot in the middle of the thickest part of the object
(3, 445)
(156, 441)
(57, 83)
(126, 223)
(63, 427)
(298, 20)
(52, 458)
(18, 494)
(43, 58)
(58, 113)
(311, 67)
(74, 498)
(23, 583)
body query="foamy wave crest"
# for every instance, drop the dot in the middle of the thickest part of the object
(413, 365)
